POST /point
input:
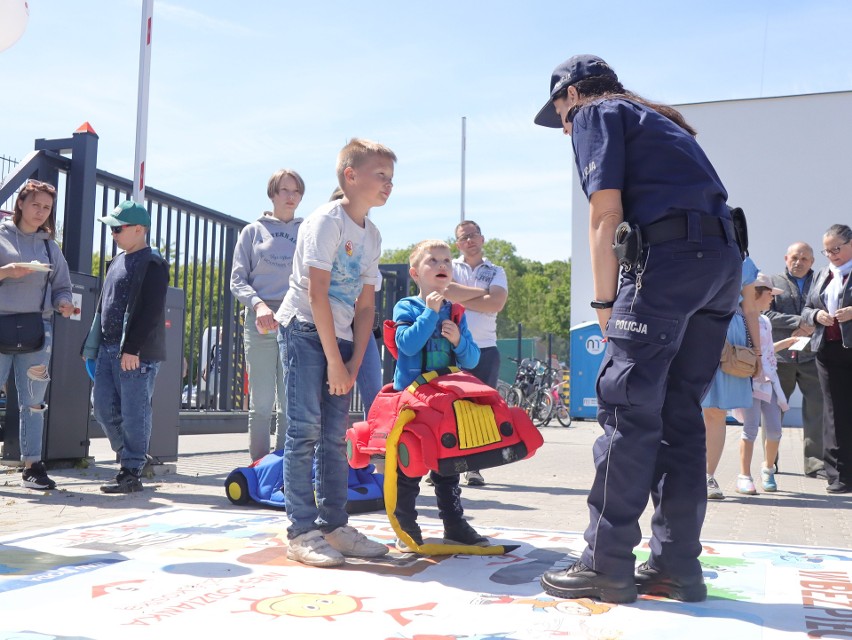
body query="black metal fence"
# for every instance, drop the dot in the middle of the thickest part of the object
(197, 241)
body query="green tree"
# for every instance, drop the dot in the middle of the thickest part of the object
(539, 293)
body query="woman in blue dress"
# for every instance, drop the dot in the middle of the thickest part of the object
(729, 392)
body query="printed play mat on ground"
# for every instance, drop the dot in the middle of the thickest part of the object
(185, 573)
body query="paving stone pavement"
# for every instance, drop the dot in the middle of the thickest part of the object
(547, 491)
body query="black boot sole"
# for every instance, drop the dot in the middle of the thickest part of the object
(692, 593)
(614, 595)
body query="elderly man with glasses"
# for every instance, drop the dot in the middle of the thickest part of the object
(799, 367)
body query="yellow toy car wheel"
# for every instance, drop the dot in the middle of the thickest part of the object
(236, 488)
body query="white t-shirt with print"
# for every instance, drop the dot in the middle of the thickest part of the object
(483, 326)
(331, 241)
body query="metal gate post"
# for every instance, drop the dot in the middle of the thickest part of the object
(79, 195)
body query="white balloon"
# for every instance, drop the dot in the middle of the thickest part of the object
(13, 20)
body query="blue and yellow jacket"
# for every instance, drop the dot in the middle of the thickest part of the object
(421, 345)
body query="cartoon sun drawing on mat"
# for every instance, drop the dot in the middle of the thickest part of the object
(308, 605)
(577, 606)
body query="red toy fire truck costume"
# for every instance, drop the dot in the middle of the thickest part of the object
(447, 421)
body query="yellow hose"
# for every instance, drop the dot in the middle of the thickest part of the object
(391, 469)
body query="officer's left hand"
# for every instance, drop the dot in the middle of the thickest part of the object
(129, 362)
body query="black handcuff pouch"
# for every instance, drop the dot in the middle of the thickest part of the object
(628, 245)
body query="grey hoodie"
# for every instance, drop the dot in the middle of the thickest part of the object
(263, 261)
(24, 295)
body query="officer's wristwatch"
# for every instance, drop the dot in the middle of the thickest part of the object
(597, 304)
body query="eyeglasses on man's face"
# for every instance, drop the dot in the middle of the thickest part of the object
(466, 237)
(833, 251)
(120, 228)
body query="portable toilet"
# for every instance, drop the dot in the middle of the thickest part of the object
(587, 351)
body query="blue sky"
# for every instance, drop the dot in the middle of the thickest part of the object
(240, 89)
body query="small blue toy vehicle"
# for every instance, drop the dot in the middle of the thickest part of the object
(262, 482)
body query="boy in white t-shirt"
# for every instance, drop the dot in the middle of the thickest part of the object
(327, 315)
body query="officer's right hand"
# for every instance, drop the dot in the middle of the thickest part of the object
(603, 318)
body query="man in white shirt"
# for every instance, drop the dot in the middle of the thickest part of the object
(483, 290)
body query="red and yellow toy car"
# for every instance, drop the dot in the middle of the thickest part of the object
(458, 424)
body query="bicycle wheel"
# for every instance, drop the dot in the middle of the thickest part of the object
(503, 388)
(541, 409)
(514, 397)
(562, 414)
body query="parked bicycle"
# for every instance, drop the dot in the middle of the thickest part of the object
(560, 409)
(531, 391)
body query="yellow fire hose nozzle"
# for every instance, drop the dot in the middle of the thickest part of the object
(430, 549)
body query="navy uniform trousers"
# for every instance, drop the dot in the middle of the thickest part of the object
(664, 341)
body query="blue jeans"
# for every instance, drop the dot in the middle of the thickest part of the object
(369, 378)
(266, 387)
(316, 423)
(31, 379)
(122, 402)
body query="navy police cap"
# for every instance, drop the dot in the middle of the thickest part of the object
(573, 70)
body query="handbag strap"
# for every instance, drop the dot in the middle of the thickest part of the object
(749, 341)
(46, 277)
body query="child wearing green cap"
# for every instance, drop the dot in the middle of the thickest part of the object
(131, 342)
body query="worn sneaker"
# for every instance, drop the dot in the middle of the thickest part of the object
(767, 476)
(474, 479)
(713, 490)
(462, 533)
(416, 535)
(351, 542)
(36, 477)
(313, 549)
(124, 482)
(148, 469)
(745, 485)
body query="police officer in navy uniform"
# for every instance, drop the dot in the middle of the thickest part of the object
(665, 324)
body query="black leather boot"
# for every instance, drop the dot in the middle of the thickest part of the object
(578, 581)
(653, 582)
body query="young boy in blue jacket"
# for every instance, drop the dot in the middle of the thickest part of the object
(427, 340)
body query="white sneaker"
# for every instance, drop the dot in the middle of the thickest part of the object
(351, 542)
(745, 485)
(768, 478)
(713, 490)
(313, 549)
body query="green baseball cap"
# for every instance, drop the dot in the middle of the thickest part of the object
(128, 212)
